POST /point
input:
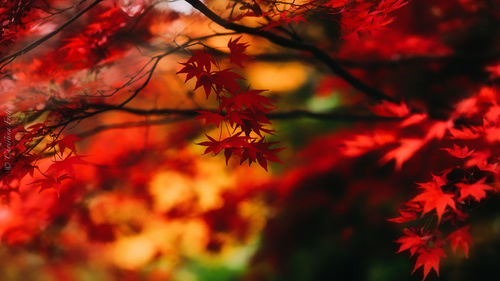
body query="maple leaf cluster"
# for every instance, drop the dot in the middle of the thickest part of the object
(357, 17)
(27, 142)
(241, 111)
(21, 153)
(94, 44)
(447, 199)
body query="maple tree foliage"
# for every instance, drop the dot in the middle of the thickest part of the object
(115, 115)
(244, 110)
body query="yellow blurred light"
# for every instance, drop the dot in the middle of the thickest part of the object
(194, 237)
(170, 189)
(132, 252)
(281, 77)
(115, 209)
(177, 237)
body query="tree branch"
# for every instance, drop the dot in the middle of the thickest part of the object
(288, 43)
(376, 63)
(292, 114)
(187, 114)
(127, 125)
(147, 76)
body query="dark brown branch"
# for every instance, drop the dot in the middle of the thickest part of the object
(127, 125)
(376, 63)
(292, 114)
(9, 58)
(289, 43)
(186, 114)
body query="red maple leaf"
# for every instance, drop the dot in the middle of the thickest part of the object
(404, 216)
(226, 79)
(480, 159)
(407, 148)
(285, 18)
(459, 152)
(205, 80)
(190, 69)
(461, 238)
(390, 109)
(203, 60)
(236, 117)
(262, 152)
(412, 241)
(237, 49)
(210, 117)
(22, 168)
(253, 151)
(51, 182)
(21, 145)
(67, 164)
(429, 259)
(249, 122)
(408, 213)
(232, 142)
(476, 190)
(250, 99)
(249, 125)
(68, 142)
(433, 197)
(464, 133)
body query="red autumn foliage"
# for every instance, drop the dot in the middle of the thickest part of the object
(413, 85)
